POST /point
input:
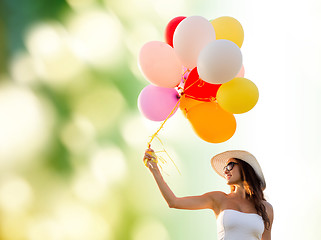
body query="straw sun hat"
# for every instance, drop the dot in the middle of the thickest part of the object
(219, 161)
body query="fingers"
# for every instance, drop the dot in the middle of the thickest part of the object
(148, 155)
(150, 164)
(150, 158)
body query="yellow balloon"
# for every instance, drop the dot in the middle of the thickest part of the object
(187, 103)
(228, 28)
(238, 95)
(211, 123)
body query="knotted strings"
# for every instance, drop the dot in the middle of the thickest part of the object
(181, 93)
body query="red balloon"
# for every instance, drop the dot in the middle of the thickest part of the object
(198, 89)
(170, 29)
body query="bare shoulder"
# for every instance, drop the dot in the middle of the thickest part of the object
(269, 210)
(217, 195)
(268, 206)
(216, 198)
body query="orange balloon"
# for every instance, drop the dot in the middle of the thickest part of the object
(187, 103)
(211, 123)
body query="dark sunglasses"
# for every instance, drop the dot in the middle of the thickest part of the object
(229, 166)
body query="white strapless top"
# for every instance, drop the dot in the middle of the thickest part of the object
(236, 225)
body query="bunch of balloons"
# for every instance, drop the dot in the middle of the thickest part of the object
(199, 70)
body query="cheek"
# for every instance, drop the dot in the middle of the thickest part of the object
(237, 175)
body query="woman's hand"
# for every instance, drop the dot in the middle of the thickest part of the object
(150, 159)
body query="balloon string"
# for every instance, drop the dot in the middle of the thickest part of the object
(161, 159)
(192, 84)
(171, 113)
(201, 83)
(164, 150)
(210, 99)
(183, 76)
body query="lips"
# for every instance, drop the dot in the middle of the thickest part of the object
(228, 177)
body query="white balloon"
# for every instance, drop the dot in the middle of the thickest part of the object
(190, 37)
(219, 61)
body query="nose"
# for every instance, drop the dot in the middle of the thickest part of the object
(226, 171)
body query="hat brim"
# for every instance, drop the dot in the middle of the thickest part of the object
(219, 161)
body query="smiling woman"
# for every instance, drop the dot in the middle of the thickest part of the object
(242, 214)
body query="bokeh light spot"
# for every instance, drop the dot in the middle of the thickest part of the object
(108, 165)
(25, 124)
(15, 194)
(87, 188)
(134, 131)
(79, 223)
(22, 68)
(53, 53)
(148, 228)
(99, 34)
(101, 105)
(78, 135)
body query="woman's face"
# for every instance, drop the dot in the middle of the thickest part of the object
(232, 172)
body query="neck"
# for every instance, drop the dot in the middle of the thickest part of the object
(240, 191)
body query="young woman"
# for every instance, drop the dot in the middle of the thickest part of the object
(242, 214)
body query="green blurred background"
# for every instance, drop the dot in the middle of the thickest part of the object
(72, 139)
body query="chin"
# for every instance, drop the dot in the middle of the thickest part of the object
(230, 183)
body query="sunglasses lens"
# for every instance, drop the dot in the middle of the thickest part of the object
(229, 166)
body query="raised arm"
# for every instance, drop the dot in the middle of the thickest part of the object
(206, 201)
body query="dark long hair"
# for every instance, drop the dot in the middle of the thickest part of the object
(252, 185)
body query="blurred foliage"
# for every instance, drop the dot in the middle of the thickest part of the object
(73, 132)
(71, 135)
(19, 15)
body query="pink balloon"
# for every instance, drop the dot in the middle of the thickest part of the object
(241, 72)
(156, 103)
(160, 65)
